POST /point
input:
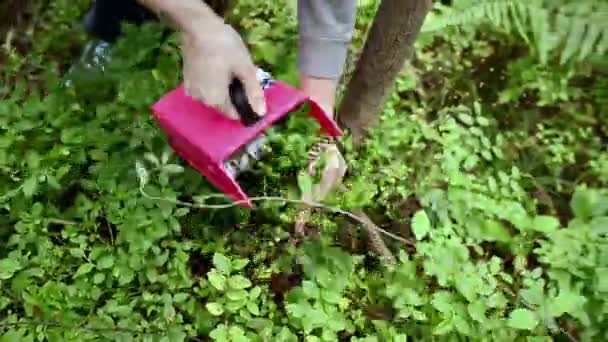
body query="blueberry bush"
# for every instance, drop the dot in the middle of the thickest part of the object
(488, 170)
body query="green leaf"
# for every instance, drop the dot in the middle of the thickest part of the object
(253, 308)
(482, 121)
(296, 310)
(214, 308)
(285, 335)
(255, 293)
(149, 156)
(522, 319)
(305, 183)
(222, 263)
(237, 334)
(566, 302)
(545, 224)
(234, 306)
(237, 295)
(180, 297)
(497, 300)
(324, 277)
(142, 173)
(467, 119)
(72, 135)
(239, 264)
(310, 289)
(217, 280)
(126, 276)
(220, 333)
(180, 212)
(601, 279)
(173, 168)
(165, 156)
(33, 160)
(477, 311)
(30, 186)
(599, 225)
(477, 109)
(239, 282)
(421, 225)
(83, 269)
(443, 327)
(14, 336)
(98, 278)
(495, 231)
(8, 267)
(105, 262)
(330, 296)
(52, 182)
(582, 202)
(260, 324)
(361, 193)
(152, 274)
(176, 334)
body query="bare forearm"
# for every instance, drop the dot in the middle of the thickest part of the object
(322, 90)
(182, 15)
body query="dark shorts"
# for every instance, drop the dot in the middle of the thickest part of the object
(106, 17)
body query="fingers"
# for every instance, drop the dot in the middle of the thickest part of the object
(229, 111)
(213, 91)
(210, 65)
(219, 102)
(247, 74)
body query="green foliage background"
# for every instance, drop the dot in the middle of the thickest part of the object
(490, 156)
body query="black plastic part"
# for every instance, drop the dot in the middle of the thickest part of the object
(238, 96)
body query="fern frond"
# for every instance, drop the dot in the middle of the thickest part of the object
(503, 13)
(583, 28)
(575, 30)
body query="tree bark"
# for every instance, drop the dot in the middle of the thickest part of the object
(387, 47)
(389, 44)
(12, 13)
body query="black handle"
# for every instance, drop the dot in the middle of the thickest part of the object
(238, 97)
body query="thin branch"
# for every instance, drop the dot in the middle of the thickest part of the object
(61, 221)
(276, 199)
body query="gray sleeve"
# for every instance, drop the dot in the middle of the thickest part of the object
(325, 28)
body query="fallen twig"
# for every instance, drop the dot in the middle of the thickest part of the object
(365, 222)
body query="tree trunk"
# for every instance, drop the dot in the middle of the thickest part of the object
(12, 13)
(389, 44)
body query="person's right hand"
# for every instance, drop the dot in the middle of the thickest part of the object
(213, 54)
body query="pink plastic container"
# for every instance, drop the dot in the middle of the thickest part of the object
(207, 140)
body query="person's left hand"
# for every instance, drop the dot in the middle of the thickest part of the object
(323, 91)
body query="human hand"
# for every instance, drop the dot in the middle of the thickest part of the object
(213, 54)
(323, 91)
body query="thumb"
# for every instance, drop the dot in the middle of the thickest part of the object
(253, 88)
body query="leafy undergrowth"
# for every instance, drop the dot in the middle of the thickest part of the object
(489, 163)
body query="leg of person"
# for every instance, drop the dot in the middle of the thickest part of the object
(105, 17)
(103, 21)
